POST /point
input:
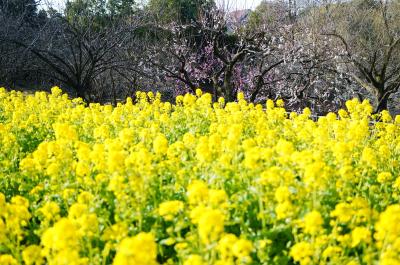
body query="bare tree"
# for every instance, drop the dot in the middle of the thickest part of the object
(78, 56)
(369, 31)
(19, 19)
(211, 54)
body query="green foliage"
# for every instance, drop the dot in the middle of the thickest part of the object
(183, 11)
(121, 7)
(98, 13)
(84, 12)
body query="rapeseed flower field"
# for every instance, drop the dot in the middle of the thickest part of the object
(196, 182)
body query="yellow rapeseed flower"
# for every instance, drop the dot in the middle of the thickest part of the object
(140, 249)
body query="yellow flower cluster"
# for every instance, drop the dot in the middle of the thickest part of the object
(195, 182)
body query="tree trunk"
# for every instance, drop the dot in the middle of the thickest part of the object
(114, 93)
(228, 88)
(81, 92)
(382, 102)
